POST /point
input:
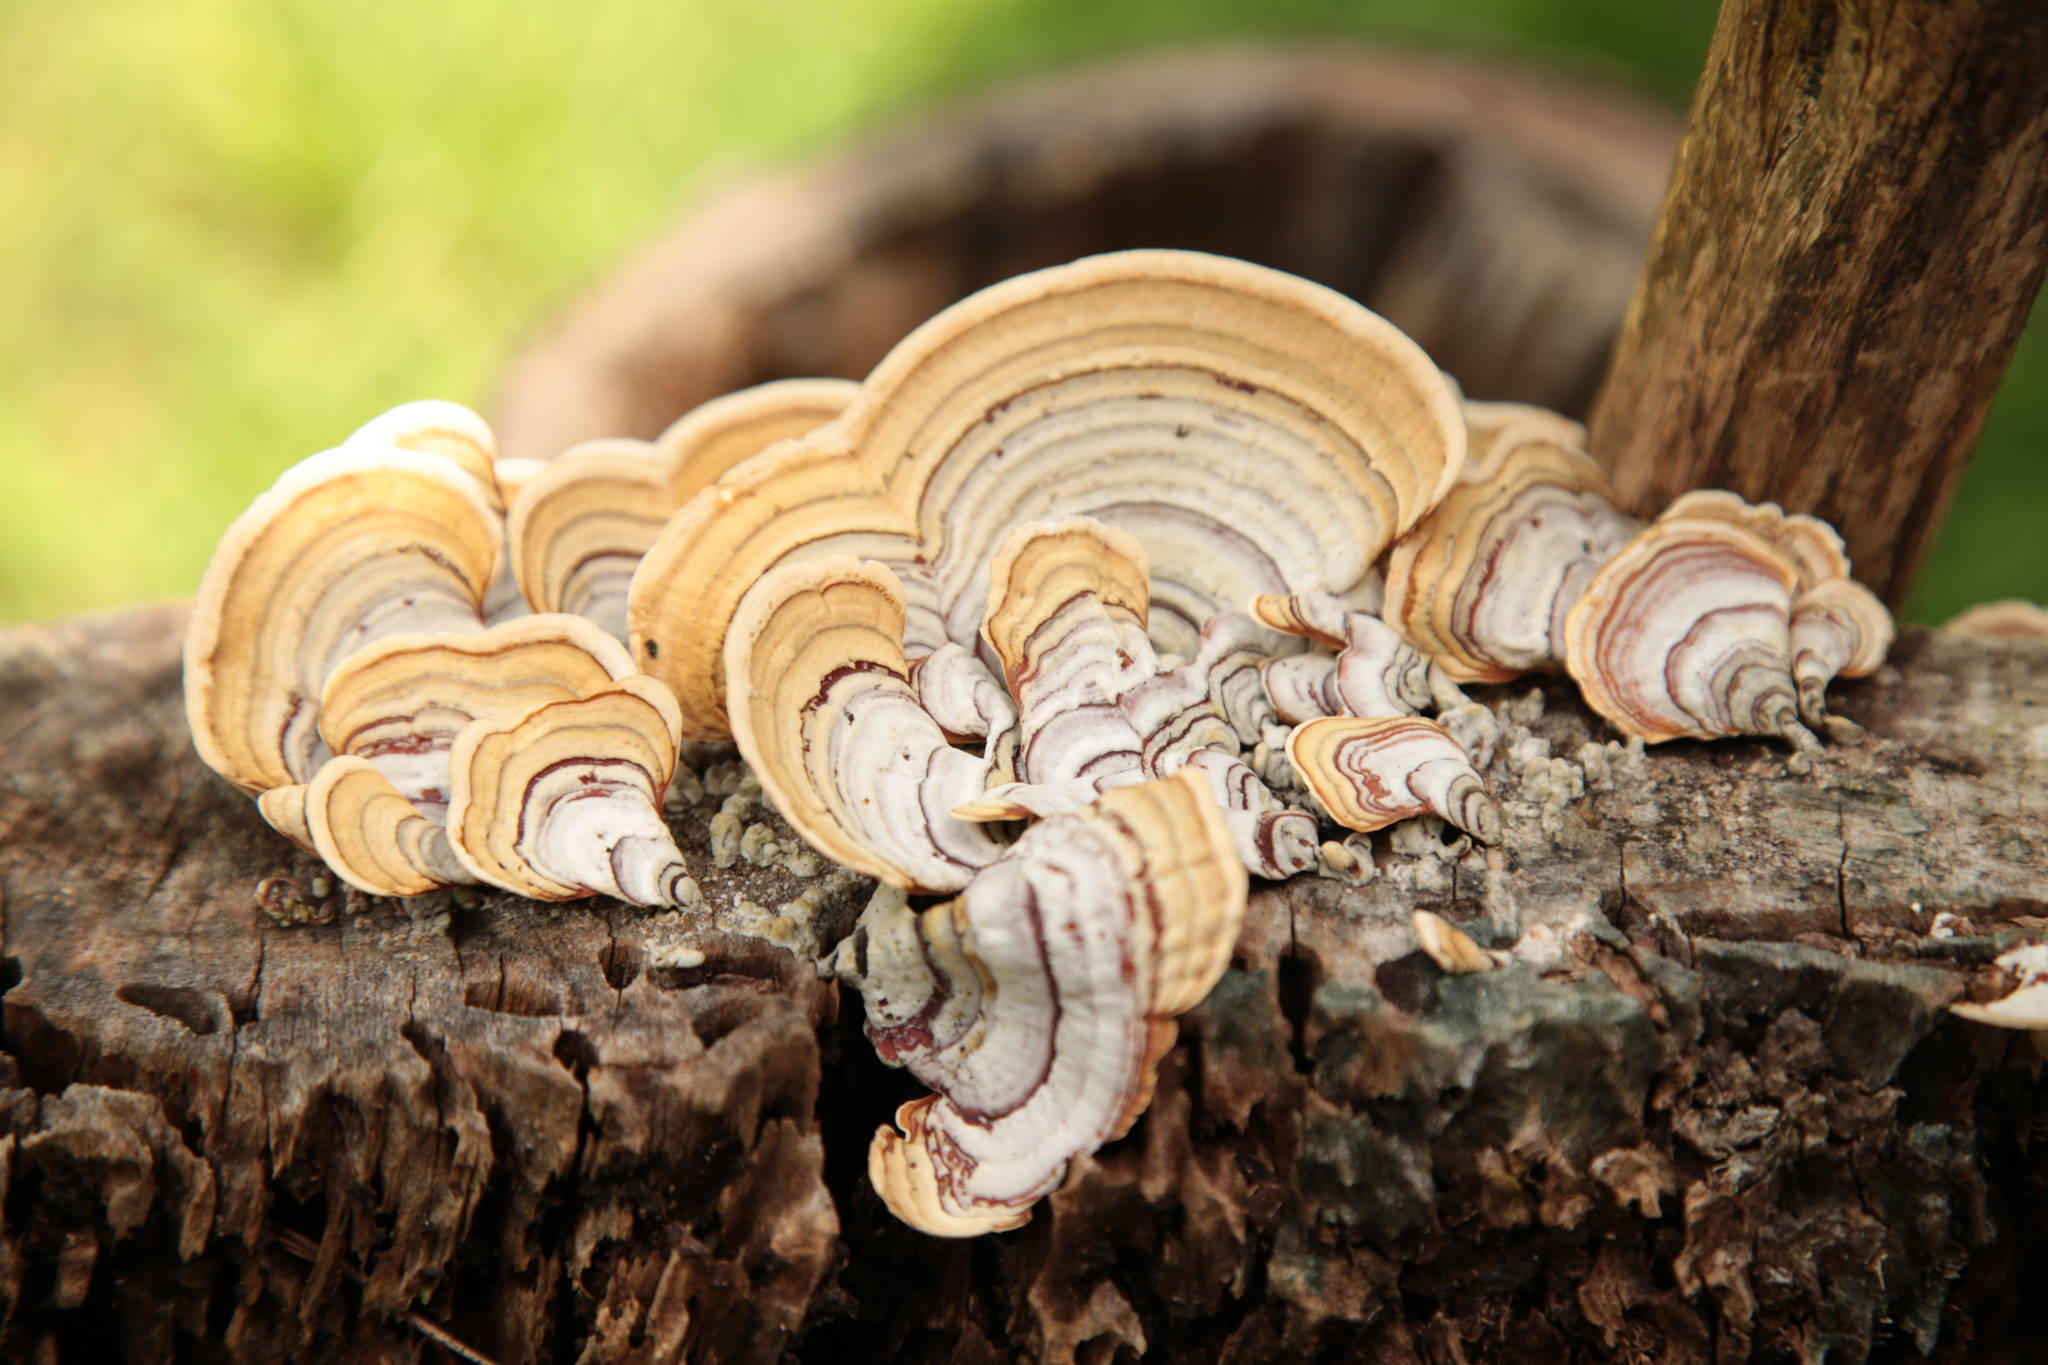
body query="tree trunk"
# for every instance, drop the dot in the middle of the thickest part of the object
(1726, 1115)
(1856, 227)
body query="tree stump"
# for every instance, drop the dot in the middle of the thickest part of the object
(1714, 1109)
(1727, 1114)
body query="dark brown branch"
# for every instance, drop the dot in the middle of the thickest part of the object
(1855, 230)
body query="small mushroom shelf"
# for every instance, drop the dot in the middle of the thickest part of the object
(1107, 590)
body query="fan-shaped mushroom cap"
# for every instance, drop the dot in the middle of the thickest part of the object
(1486, 423)
(1450, 947)
(1810, 544)
(1484, 581)
(435, 426)
(1377, 673)
(1369, 772)
(2011, 619)
(824, 712)
(1066, 618)
(2026, 1006)
(957, 690)
(1255, 432)
(284, 810)
(702, 444)
(579, 527)
(1302, 686)
(1038, 1004)
(346, 548)
(1839, 629)
(566, 801)
(401, 702)
(1317, 616)
(576, 531)
(1687, 632)
(373, 838)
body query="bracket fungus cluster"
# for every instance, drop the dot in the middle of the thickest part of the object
(1092, 601)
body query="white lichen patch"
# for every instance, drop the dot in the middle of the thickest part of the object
(810, 924)
(726, 832)
(1476, 729)
(758, 845)
(723, 779)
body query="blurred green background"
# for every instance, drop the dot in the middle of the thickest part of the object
(234, 229)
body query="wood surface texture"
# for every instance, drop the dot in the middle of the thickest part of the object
(1855, 230)
(1730, 1119)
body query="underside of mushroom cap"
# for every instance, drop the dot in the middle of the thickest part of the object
(826, 716)
(1484, 582)
(1038, 1004)
(401, 702)
(348, 547)
(372, 837)
(1687, 632)
(1369, 772)
(566, 801)
(1255, 432)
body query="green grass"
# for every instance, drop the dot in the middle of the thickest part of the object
(232, 229)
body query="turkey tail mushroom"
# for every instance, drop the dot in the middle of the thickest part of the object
(401, 702)
(565, 802)
(1483, 583)
(372, 837)
(1066, 616)
(579, 527)
(826, 716)
(348, 547)
(1687, 633)
(1369, 773)
(1255, 432)
(1038, 1003)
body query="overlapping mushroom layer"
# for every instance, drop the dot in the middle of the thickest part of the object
(824, 709)
(339, 668)
(1038, 1003)
(1723, 619)
(1255, 432)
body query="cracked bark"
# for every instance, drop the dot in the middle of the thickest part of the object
(1729, 1120)
(1725, 1122)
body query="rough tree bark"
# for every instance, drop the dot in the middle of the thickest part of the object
(1729, 1117)
(1856, 228)
(1716, 1110)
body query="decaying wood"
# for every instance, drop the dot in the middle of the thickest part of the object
(1497, 218)
(1726, 1115)
(1856, 228)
